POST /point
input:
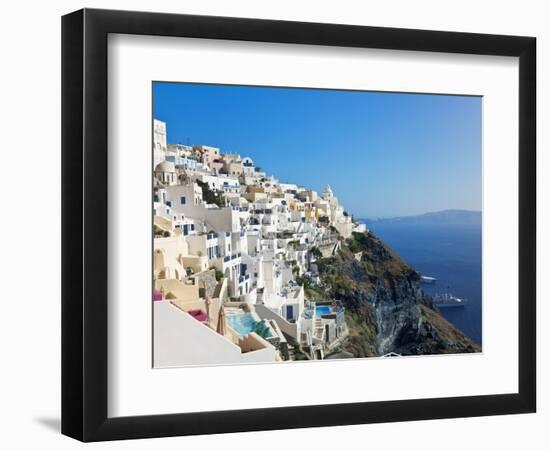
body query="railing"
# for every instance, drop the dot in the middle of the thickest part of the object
(243, 278)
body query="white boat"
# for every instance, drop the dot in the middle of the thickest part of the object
(427, 280)
(448, 300)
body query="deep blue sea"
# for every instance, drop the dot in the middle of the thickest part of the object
(449, 252)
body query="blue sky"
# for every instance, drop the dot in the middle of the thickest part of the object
(384, 154)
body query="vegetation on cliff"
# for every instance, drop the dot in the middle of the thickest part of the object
(386, 310)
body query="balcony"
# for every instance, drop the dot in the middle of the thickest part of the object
(244, 278)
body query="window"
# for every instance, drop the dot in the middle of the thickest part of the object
(183, 200)
(169, 203)
(289, 312)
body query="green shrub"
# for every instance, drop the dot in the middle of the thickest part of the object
(210, 196)
(218, 273)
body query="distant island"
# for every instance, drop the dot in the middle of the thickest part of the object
(448, 216)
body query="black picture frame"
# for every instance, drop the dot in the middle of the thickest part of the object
(84, 224)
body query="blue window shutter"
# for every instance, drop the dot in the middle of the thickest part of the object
(182, 199)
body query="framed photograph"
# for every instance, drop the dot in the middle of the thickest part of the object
(273, 224)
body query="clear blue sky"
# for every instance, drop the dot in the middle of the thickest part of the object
(384, 154)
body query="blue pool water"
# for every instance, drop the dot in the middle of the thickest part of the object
(243, 323)
(322, 309)
(449, 252)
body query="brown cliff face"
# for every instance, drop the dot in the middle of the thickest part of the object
(386, 310)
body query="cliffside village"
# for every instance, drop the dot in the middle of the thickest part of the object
(233, 249)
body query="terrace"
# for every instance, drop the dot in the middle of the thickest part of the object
(329, 310)
(244, 322)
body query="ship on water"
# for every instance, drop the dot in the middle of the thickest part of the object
(448, 300)
(427, 280)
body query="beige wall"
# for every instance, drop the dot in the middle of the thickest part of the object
(255, 196)
(182, 291)
(344, 229)
(196, 263)
(167, 257)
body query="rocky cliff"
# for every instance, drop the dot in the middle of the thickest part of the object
(386, 309)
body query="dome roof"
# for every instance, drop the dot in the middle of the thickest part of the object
(157, 184)
(165, 166)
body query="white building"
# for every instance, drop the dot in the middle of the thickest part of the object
(184, 194)
(252, 250)
(166, 173)
(221, 183)
(159, 142)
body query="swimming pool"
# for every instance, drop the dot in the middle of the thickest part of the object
(245, 323)
(322, 309)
